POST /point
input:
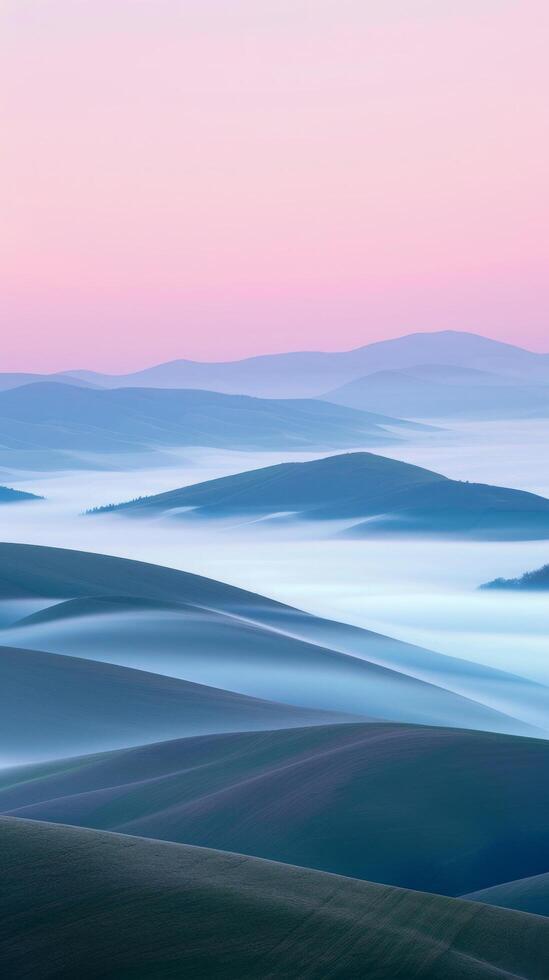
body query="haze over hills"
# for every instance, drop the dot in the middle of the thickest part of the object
(433, 809)
(130, 907)
(309, 373)
(439, 391)
(182, 625)
(51, 416)
(536, 581)
(16, 379)
(382, 495)
(52, 704)
(451, 374)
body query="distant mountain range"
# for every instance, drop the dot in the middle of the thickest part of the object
(9, 496)
(52, 416)
(454, 356)
(91, 904)
(380, 495)
(536, 581)
(146, 618)
(450, 374)
(307, 373)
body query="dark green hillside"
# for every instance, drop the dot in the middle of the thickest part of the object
(80, 903)
(434, 809)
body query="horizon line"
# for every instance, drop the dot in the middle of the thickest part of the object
(266, 354)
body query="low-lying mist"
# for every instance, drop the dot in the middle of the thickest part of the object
(421, 590)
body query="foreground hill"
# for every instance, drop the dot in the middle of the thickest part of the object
(175, 623)
(387, 495)
(530, 581)
(437, 391)
(9, 496)
(125, 907)
(304, 373)
(51, 706)
(435, 809)
(64, 417)
(526, 895)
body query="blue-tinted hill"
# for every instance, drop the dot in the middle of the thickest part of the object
(55, 416)
(299, 374)
(440, 391)
(379, 494)
(52, 705)
(9, 496)
(164, 621)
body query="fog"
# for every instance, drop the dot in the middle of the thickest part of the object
(423, 591)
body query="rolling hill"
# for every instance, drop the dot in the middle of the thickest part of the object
(309, 373)
(388, 496)
(170, 622)
(434, 809)
(52, 705)
(525, 895)
(83, 903)
(438, 392)
(15, 379)
(54, 416)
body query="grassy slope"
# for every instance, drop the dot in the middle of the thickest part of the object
(87, 904)
(440, 810)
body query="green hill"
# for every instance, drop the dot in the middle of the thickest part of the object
(435, 809)
(80, 903)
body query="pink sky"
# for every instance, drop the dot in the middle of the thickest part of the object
(216, 178)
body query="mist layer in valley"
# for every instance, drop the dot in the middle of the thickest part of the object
(421, 591)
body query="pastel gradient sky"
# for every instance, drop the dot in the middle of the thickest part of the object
(216, 178)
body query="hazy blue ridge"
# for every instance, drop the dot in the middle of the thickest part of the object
(378, 494)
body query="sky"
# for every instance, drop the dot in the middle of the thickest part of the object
(217, 178)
